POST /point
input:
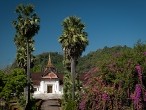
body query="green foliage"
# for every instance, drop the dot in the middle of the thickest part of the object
(2, 80)
(22, 100)
(26, 25)
(74, 38)
(74, 41)
(33, 104)
(14, 85)
(67, 91)
(116, 76)
(85, 63)
(95, 59)
(67, 88)
(42, 60)
(71, 105)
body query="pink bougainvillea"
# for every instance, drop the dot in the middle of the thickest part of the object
(139, 71)
(136, 97)
(82, 105)
(105, 97)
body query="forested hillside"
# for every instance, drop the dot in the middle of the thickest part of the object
(119, 82)
(42, 60)
(85, 63)
(94, 59)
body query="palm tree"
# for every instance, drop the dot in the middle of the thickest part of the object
(74, 41)
(21, 45)
(26, 25)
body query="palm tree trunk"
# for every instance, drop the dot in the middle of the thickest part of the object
(28, 76)
(73, 76)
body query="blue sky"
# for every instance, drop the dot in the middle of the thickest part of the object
(108, 23)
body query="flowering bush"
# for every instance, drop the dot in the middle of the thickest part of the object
(118, 83)
(95, 94)
(136, 97)
(139, 72)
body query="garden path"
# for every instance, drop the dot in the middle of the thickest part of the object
(50, 105)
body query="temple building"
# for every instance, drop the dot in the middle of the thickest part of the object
(47, 84)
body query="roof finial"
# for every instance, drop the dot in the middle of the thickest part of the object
(49, 62)
(49, 58)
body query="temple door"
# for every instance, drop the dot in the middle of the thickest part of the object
(49, 88)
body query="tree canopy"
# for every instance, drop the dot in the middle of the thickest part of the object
(26, 25)
(12, 83)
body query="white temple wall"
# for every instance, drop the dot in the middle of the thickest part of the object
(53, 83)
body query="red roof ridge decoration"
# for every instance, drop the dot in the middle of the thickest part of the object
(50, 75)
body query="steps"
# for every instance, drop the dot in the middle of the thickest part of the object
(50, 105)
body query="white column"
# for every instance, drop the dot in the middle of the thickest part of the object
(57, 86)
(42, 86)
(53, 88)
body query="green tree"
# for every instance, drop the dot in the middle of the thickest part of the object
(26, 25)
(41, 61)
(14, 83)
(74, 41)
(66, 89)
(2, 80)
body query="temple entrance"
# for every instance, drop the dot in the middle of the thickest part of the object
(49, 88)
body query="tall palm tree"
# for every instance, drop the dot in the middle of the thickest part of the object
(26, 25)
(74, 41)
(21, 45)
